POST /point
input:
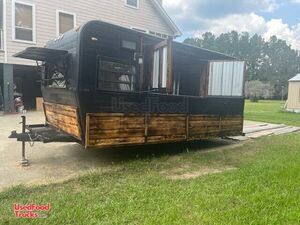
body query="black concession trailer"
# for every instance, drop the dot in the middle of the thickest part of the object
(107, 86)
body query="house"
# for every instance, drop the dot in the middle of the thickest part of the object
(293, 102)
(26, 23)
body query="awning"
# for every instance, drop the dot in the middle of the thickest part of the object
(41, 54)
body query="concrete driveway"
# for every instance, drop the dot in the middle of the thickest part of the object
(49, 163)
(56, 162)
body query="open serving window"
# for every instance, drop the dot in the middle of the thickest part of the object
(162, 78)
(199, 72)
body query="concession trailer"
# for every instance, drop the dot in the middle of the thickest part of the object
(108, 86)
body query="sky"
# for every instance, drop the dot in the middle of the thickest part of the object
(264, 17)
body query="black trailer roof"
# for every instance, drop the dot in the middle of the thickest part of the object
(67, 40)
(200, 53)
(41, 54)
(182, 48)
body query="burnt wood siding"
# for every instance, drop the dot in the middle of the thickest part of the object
(64, 118)
(118, 129)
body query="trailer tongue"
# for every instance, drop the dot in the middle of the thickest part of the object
(39, 133)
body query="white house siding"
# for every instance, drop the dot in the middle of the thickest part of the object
(2, 56)
(294, 96)
(115, 11)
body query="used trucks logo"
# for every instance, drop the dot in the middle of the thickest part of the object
(31, 211)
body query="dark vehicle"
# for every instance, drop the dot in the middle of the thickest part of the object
(108, 86)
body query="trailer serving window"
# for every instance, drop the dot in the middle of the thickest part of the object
(55, 74)
(162, 80)
(54, 65)
(116, 76)
(160, 62)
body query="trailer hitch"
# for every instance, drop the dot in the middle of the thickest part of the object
(38, 133)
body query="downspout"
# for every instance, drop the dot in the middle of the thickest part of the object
(4, 31)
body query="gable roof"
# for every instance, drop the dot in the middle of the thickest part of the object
(295, 78)
(167, 18)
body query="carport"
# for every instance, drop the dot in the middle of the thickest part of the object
(19, 81)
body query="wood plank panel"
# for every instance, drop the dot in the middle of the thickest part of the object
(214, 126)
(169, 138)
(232, 125)
(117, 123)
(201, 126)
(129, 129)
(166, 127)
(122, 133)
(204, 118)
(64, 118)
(114, 129)
(116, 142)
(62, 109)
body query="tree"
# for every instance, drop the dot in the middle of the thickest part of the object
(254, 90)
(268, 90)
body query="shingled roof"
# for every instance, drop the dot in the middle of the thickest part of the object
(295, 78)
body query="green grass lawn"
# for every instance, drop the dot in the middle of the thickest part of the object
(271, 112)
(262, 187)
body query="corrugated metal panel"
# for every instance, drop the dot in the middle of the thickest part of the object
(226, 78)
(165, 67)
(215, 78)
(238, 79)
(155, 69)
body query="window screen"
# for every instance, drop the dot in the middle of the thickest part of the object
(23, 22)
(116, 76)
(66, 22)
(133, 3)
(56, 75)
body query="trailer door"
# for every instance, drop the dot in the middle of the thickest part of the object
(226, 78)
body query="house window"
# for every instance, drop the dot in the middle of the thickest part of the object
(24, 22)
(116, 76)
(132, 3)
(1, 24)
(66, 21)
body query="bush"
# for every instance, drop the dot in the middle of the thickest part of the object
(256, 90)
